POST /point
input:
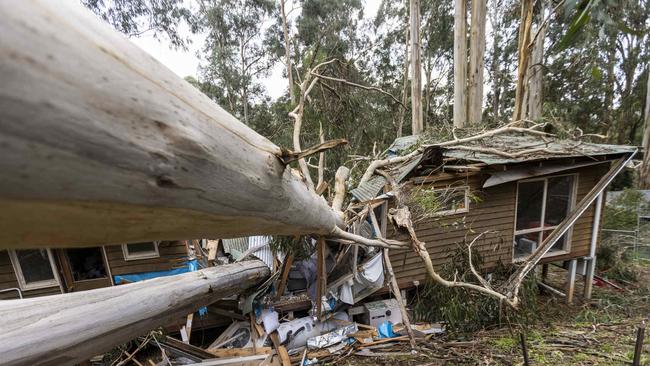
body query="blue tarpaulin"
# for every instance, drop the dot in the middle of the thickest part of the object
(190, 266)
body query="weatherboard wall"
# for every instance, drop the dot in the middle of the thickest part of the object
(495, 211)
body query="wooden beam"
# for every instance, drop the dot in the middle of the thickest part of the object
(570, 281)
(69, 328)
(102, 144)
(321, 276)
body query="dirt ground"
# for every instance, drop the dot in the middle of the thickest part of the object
(599, 332)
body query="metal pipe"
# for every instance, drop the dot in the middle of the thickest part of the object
(596, 227)
(20, 293)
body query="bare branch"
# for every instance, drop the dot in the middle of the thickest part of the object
(360, 240)
(339, 188)
(288, 156)
(346, 82)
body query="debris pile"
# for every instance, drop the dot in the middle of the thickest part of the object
(314, 308)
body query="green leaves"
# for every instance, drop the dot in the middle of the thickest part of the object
(579, 20)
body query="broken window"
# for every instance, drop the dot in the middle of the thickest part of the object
(142, 250)
(542, 204)
(451, 200)
(34, 268)
(86, 263)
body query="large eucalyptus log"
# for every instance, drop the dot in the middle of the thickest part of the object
(100, 144)
(69, 328)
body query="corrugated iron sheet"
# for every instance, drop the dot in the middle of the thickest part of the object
(515, 143)
(235, 246)
(507, 143)
(372, 187)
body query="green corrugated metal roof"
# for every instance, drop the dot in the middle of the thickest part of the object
(517, 143)
(508, 143)
(372, 187)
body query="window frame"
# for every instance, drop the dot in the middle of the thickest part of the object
(465, 189)
(568, 235)
(18, 270)
(149, 255)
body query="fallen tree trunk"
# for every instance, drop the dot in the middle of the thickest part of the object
(69, 328)
(101, 144)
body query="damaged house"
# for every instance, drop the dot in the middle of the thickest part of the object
(515, 188)
(39, 272)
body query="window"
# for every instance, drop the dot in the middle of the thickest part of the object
(451, 200)
(142, 250)
(34, 268)
(542, 204)
(86, 263)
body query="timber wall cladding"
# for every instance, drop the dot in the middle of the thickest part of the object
(173, 254)
(495, 212)
(8, 280)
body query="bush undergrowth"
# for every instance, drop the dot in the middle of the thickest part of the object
(464, 311)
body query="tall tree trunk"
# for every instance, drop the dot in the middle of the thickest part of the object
(610, 87)
(476, 61)
(244, 91)
(460, 63)
(69, 328)
(428, 69)
(496, 72)
(535, 95)
(101, 144)
(287, 52)
(524, 53)
(644, 178)
(405, 82)
(416, 85)
(646, 115)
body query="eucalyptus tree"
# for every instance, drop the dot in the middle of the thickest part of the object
(135, 17)
(234, 55)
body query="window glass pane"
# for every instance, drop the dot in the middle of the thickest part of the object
(529, 204)
(559, 245)
(525, 244)
(35, 264)
(558, 199)
(86, 263)
(451, 199)
(141, 248)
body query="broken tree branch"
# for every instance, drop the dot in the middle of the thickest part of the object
(48, 331)
(365, 87)
(288, 156)
(124, 150)
(401, 216)
(358, 239)
(377, 164)
(393, 281)
(340, 178)
(321, 158)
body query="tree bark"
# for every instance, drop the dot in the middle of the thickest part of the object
(644, 178)
(416, 84)
(69, 328)
(287, 51)
(460, 63)
(405, 83)
(101, 144)
(524, 52)
(476, 62)
(535, 99)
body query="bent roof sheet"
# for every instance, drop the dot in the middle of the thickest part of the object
(512, 143)
(517, 143)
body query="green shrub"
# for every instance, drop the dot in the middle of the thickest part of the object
(464, 311)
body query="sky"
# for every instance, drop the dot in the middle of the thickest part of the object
(186, 63)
